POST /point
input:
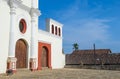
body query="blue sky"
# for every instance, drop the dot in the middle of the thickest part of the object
(85, 22)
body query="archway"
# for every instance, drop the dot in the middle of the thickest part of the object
(21, 54)
(44, 57)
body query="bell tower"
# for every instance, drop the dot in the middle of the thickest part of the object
(54, 27)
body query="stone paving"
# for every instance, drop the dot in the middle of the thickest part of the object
(65, 73)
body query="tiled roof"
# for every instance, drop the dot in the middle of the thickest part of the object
(114, 58)
(97, 51)
(98, 56)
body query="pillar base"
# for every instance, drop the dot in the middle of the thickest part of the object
(50, 67)
(33, 64)
(11, 64)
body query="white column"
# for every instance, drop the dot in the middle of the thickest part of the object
(11, 61)
(34, 12)
(12, 34)
(34, 42)
(34, 3)
(34, 38)
(34, 32)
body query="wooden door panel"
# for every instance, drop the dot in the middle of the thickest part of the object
(44, 58)
(21, 54)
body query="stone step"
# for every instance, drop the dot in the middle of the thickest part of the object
(23, 69)
(45, 68)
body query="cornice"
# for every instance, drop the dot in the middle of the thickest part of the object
(34, 12)
(24, 7)
(19, 4)
(54, 22)
(14, 3)
(49, 34)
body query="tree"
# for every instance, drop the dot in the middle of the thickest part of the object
(75, 46)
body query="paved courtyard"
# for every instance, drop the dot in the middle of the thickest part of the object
(65, 73)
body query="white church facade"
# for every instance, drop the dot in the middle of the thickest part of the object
(22, 44)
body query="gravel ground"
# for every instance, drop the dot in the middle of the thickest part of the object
(66, 73)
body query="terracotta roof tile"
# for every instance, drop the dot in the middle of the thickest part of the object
(100, 56)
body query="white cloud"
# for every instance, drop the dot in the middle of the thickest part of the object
(86, 31)
(84, 27)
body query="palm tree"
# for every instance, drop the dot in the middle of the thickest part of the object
(75, 46)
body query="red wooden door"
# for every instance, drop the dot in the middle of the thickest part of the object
(21, 54)
(44, 57)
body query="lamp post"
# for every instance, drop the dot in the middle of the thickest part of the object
(94, 55)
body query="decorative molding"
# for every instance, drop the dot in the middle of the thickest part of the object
(24, 7)
(11, 59)
(14, 3)
(50, 20)
(2, 0)
(33, 64)
(12, 11)
(34, 12)
(18, 4)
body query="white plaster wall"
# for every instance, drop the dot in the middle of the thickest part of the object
(50, 22)
(5, 29)
(21, 14)
(29, 3)
(4, 35)
(57, 57)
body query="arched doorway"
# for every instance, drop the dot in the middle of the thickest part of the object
(44, 55)
(21, 54)
(44, 58)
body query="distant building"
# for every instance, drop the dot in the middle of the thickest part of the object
(22, 44)
(91, 57)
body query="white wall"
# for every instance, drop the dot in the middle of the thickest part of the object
(5, 30)
(4, 35)
(50, 22)
(21, 14)
(57, 57)
(29, 3)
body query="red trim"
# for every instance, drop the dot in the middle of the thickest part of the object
(40, 46)
(11, 67)
(8, 65)
(32, 65)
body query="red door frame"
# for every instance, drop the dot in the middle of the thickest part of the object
(40, 46)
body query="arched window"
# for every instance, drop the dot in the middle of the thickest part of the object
(52, 29)
(56, 30)
(22, 26)
(59, 31)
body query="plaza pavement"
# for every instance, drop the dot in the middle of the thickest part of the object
(65, 73)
